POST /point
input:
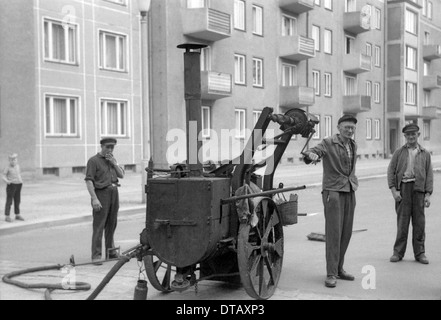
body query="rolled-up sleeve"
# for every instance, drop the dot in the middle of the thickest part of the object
(91, 171)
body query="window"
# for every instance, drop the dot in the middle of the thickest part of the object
(426, 68)
(239, 15)
(350, 6)
(316, 37)
(411, 22)
(206, 59)
(411, 93)
(424, 5)
(316, 135)
(411, 58)
(350, 86)
(349, 44)
(239, 69)
(61, 116)
(206, 122)
(376, 23)
(427, 39)
(327, 45)
(316, 81)
(258, 20)
(60, 42)
(327, 4)
(426, 100)
(368, 49)
(429, 10)
(377, 56)
(328, 84)
(377, 129)
(368, 129)
(369, 88)
(328, 126)
(240, 123)
(114, 118)
(376, 92)
(289, 26)
(257, 72)
(191, 4)
(256, 116)
(289, 75)
(426, 130)
(317, 2)
(113, 51)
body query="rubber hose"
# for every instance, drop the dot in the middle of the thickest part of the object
(50, 287)
(122, 261)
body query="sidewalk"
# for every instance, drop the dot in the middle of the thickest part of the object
(53, 201)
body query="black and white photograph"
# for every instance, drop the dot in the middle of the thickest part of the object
(220, 155)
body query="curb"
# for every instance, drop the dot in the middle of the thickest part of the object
(122, 214)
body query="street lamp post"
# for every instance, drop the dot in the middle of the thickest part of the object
(144, 8)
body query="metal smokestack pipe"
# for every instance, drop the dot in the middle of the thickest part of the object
(193, 104)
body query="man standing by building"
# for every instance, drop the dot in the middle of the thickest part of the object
(410, 178)
(102, 175)
(339, 156)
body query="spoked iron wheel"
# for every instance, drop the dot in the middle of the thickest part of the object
(159, 273)
(260, 251)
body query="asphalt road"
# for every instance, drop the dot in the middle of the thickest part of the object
(303, 270)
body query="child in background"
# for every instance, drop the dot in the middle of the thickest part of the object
(12, 177)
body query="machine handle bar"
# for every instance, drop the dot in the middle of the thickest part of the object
(260, 194)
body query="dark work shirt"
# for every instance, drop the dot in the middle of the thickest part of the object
(100, 172)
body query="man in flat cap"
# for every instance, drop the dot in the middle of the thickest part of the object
(410, 179)
(339, 156)
(102, 176)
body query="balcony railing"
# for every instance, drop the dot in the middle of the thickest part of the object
(297, 48)
(431, 52)
(296, 96)
(432, 82)
(215, 85)
(356, 22)
(206, 24)
(357, 63)
(356, 104)
(431, 112)
(297, 6)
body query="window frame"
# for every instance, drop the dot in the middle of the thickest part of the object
(316, 82)
(328, 84)
(414, 60)
(203, 124)
(240, 134)
(48, 56)
(258, 23)
(316, 32)
(368, 129)
(258, 72)
(104, 122)
(51, 124)
(377, 92)
(242, 73)
(411, 94)
(377, 126)
(102, 35)
(328, 43)
(241, 24)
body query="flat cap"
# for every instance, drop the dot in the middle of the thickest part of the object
(412, 127)
(13, 156)
(348, 118)
(107, 141)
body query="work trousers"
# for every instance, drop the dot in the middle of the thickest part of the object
(339, 216)
(105, 221)
(411, 207)
(13, 194)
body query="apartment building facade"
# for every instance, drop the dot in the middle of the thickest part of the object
(70, 75)
(73, 74)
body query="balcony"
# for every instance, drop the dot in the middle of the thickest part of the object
(296, 96)
(357, 63)
(431, 113)
(356, 104)
(215, 85)
(206, 24)
(296, 48)
(296, 6)
(356, 22)
(431, 52)
(432, 82)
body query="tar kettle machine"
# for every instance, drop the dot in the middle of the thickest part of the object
(223, 224)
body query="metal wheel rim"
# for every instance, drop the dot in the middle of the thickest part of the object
(259, 266)
(152, 266)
